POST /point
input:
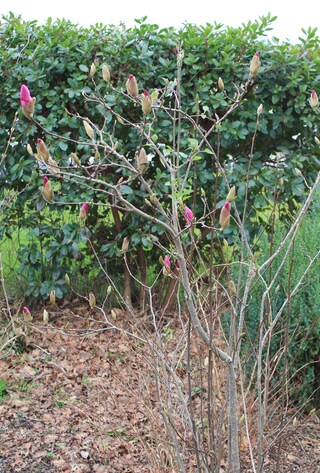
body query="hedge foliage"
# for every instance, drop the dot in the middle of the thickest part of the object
(54, 60)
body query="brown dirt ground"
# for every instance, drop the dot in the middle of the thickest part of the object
(74, 404)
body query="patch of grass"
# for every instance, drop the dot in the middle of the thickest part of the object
(3, 389)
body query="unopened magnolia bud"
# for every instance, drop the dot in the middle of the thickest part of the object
(109, 290)
(106, 73)
(27, 102)
(232, 288)
(84, 209)
(255, 64)
(146, 201)
(231, 194)
(146, 102)
(47, 191)
(75, 159)
(89, 129)
(188, 215)
(29, 149)
(45, 316)
(167, 262)
(92, 300)
(298, 172)
(113, 314)
(142, 161)
(220, 84)
(27, 317)
(314, 101)
(259, 110)
(224, 218)
(316, 139)
(67, 279)
(132, 86)
(42, 150)
(93, 69)
(125, 245)
(53, 297)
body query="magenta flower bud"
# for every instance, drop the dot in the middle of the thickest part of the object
(314, 101)
(26, 102)
(84, 209)
(47, 191)
(132, 86)
(27, 317)
(188, 215)
(167, 262)
(224, 218)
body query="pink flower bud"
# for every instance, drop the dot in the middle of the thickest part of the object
(255, 64)
(42, 150)
(224, 218)
(167, 262)
(84, 209)
(146, 102)
(27, 317)
(314, 101)
(26, 102)
(47, 191)
(132, 86)
(188, 215)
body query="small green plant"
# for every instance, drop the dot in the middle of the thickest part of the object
(3, 388)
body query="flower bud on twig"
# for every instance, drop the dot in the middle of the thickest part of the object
(53, 297)
(142, 161)
(84, 209)
(314, 101)
(220, 84)
(188, 215)
(47, 191)
(146, 102)
(259, 110)
(92, 300)
(255, 64)
(27, 317)
(224, 218)
(93, 69)
(42, 150)
(89, 129)
(132, 86)
(231, 194)
(106, 73)
(125, 245)
(27, 102)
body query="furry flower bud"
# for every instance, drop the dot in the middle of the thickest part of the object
(27, 317)
(221, 84)
(255, 64)
(84, 209)
(224, 218)
(125, 245)
(89, 129)
(106, 73)
(231, 194)
(47, 191)
(314, 101)
(42, 150)
(167, 262)
(93, 69)
(53, 297)
(188, 215)
(259, 110)
(132, 86)
(146, 102)
(142, 161)
(92, 300)
(27, 102)
(45, 316)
